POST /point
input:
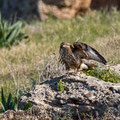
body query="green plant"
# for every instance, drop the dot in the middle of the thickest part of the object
(107, 75)
(61, 86)
(10, 34)
(9, 104)
(12, 103)
(26, 106)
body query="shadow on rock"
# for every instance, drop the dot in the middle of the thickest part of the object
(84, 93)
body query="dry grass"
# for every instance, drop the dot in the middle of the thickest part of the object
(52, 68)
(109, 47)
(35, 59)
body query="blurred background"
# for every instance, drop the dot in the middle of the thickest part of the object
(39, 9)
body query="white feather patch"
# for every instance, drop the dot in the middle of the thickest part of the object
(91, 51)
(83, 67)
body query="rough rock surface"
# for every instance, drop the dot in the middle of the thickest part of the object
(62, 8)
(70, 8)
(116, 68)
(34, 113)
(82, 93)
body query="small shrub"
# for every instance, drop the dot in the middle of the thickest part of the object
(61, 86)
(10, 34)
(26, 106)
(12, 103)
(9, 104)
(104, 74)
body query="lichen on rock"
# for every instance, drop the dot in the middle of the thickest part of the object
(82, 95)
(85, 93)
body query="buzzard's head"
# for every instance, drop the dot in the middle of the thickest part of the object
(65, 45)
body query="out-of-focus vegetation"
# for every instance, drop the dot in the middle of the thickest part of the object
(22, 65)
(12, 103)
(1, 3)
(10, 34)
(9, 104)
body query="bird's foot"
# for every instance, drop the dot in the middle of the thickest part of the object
(75, 72)
(67, 74)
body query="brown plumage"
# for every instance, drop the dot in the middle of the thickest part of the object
(73, 55)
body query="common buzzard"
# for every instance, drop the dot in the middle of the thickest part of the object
(73, 56)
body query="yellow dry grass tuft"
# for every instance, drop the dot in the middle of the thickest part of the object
(109, 47)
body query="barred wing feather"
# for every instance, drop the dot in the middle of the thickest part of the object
(88, 52)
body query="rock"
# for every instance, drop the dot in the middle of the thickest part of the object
(85, 108)
(70, 8)
(116, 88)
(89, 95)
(82, 93)
(34, 113)
(85, 93)
(116, 68)
(118, 107)
(62, 8)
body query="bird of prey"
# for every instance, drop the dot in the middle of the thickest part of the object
(73, 56)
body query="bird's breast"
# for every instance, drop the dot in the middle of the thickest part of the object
(66, 55)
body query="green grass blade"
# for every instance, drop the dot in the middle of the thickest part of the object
(9, 101)
(15, 104)
(3, 101)
(27, 106)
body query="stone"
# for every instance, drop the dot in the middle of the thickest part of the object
(116, 88)
(27, 9)
(86, 93)
(118, 107)
(116, 68)
(62, 8)
(83, 93)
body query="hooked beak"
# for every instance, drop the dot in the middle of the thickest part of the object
(65, 46)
